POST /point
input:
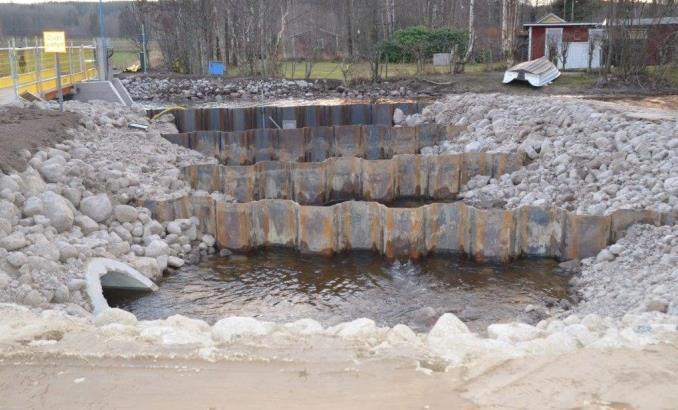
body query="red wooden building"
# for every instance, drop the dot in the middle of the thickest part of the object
(571, 45)
(580, 45)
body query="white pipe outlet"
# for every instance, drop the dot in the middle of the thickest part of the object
(111, 274)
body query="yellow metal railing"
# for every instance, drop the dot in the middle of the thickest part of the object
(31, 69)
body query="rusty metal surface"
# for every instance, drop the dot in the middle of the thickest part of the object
(494, 234)
(315, 144)
(240, 119)
(336, 179)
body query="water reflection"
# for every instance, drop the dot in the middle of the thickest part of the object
(282, 285)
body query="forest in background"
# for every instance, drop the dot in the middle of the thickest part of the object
(257, 36)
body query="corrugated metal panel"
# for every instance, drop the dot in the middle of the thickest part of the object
(238, 119)
(537, 72)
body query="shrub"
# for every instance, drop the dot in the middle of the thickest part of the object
(415, 43)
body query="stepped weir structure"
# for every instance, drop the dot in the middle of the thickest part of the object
(326, 188)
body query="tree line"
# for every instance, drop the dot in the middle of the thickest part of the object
(257, 35)
(79, 19)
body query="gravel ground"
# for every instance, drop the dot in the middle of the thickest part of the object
(584, 157)
(639, 273)
(178, 89)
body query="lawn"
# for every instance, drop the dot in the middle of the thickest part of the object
(124, 59)
(361, 70)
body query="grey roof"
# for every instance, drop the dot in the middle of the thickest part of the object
(559, 24)
(647, 21)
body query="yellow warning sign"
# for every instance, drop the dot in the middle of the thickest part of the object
(55, 41)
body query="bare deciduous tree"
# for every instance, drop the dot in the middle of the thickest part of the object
(563, 52)
(471, 37)
(509, 21)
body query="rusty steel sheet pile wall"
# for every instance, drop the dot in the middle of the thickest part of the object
(281, 178)
(313, 144)
(240, 119)
(437, 177)
(483, 234)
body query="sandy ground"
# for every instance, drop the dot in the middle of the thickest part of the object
(588, 378)
(663, 102)
(657, 108)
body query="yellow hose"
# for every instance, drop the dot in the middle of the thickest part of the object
(167, 111)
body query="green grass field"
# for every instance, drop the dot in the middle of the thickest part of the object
(124, 59)
(361, 71)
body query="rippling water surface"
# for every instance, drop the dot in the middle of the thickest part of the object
(281, 285)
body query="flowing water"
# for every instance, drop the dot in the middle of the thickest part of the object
(281, 285)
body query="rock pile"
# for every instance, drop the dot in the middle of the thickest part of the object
(639, 273)
(76, 201)
(583, 157)
(143, 88)
(449, 342)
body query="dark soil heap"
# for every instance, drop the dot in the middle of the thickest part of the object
(28, 129)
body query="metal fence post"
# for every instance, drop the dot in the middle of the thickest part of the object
(38, 67)
(12, 67)
(70, 62)
(83, 69)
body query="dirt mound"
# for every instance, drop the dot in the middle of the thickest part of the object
(28, 129)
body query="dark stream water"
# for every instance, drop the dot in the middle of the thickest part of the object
(281, 285)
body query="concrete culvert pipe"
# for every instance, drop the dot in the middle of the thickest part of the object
(108, 273)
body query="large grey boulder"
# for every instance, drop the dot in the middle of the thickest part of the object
(5, 226)
(7, 182)
(17, 259)
(153, 228)
(33, 298)
(4, 280)
(148, 267)
(86, 224)
(32, 182)
(57, 209)
(125, 213)
(98, 207)
(72, 194)
(12, 242)
(32, 206)
(66, 251)
(10, 212)
(45, 249)
(53, 169)
(157, 248)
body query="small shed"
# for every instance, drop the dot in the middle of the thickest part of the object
(568, 45)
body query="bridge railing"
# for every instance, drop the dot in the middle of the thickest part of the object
(30, 68)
